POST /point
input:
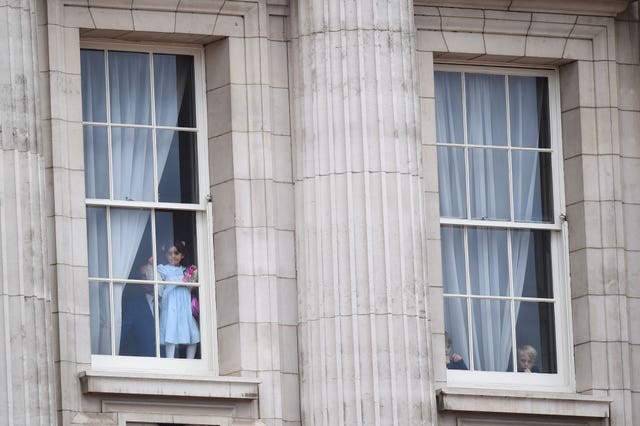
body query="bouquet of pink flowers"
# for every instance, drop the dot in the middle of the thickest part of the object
(191, 275)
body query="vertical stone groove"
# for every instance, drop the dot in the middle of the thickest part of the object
(359, 231)
(27, 354)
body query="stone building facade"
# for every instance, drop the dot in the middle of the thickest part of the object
(319, 214)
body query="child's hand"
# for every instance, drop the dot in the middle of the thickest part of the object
(457, 358)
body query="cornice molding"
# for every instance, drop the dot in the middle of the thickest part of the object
(574, 7)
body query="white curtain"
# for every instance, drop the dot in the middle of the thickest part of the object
(132, 165)
(489, 199)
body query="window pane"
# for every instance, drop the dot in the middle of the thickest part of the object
(97, 250)
(100, 319)
(448, 94)
(488, 262)
(531, 257)
(96, 162)
(489, 184)
(457, 331)
(486, 109)
(138, 330)
(179, 329)
(174, 90)
(177, 166)
(532, 186)
(129, 88)
(451, 176)
(453, 269)
(130, 241)
(492, 348)
(174, 229)
(94, 100)
(132, 164)
(535, 327)
(529, 111)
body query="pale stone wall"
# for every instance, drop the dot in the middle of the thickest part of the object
(628, 74)
(323, 176)
(27, 372)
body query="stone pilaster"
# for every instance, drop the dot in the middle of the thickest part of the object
(363, 331)
(26, 367)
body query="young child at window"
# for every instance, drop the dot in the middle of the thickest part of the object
(177, 324)
(527, 359)
(454, 361)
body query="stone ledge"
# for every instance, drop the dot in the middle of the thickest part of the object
(522, 402)
(172, 385)
(578, 7)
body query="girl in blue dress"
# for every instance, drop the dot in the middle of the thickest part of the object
(177, 324)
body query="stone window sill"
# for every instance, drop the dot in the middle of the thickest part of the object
(171, 385)
(522, 402)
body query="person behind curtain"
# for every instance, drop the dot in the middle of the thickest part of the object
(177, 324)
(138, 336)
(527, 359)
(454, 361)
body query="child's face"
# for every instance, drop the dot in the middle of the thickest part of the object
(525, 362)
(174, 257)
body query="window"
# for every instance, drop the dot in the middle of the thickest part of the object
(504, 273)
(145, 204)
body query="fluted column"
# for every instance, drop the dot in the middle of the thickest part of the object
(26, 367)
(363, 336)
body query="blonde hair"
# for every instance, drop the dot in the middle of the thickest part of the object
(529, 351)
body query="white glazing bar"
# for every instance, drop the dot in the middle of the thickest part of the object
(146, 205)
(143, 126)
(112, 324)
(503, 298)
(156, 295)
(467, 177)
(468, 299)
(496, 147)
(109, 141)
(514, 354)
(509, 157)
(500, 224)
(154, 155)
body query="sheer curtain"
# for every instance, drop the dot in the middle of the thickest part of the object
(133, 180)
(490, 200)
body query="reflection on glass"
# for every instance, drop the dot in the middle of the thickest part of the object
(488, 262)
(529, 111)
(174, 90)
(456, 326)
(179, 328)
(177, 166)
(531, 263)
(489, 184)
(130, 88)
(535, 334)
(96, 161)
(532, 186)
(137, 331)
(176, 227)
(448, 97)
(130, 241)
(486, 109)
(451, 179)
(132, 150)
(453, 269)
(94, 100)
(97, 242)
(100, 318)
(492, 348)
